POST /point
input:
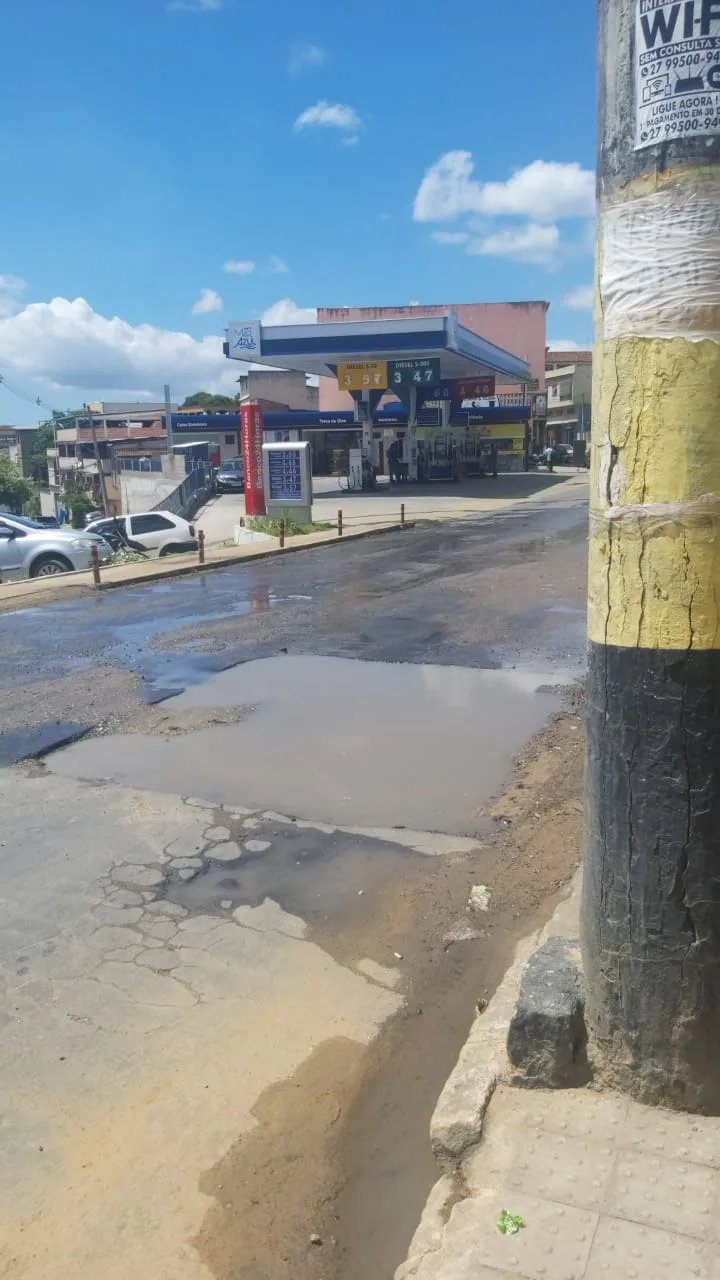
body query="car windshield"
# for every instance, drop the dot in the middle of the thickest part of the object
(237, 465)
(23, 520)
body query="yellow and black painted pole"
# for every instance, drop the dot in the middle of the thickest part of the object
(651, 896)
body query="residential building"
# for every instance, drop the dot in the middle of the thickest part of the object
(277, 389)
(558, 359)
(569, 396)
(17, 442)
(84, 439)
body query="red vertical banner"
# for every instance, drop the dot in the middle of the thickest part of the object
(251, 432)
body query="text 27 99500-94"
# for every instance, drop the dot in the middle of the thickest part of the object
(677, 73)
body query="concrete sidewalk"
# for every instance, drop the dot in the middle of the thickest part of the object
(607, 1189)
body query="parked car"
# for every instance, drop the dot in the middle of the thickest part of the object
(230, 476)
(160, 531)
(29, 549)
(564, 455)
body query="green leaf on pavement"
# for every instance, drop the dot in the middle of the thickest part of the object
(509, 1223)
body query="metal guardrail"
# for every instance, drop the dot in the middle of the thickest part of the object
(189, 494)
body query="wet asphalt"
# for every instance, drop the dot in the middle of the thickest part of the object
(493, 592)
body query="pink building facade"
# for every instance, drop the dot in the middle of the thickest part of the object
(519, 327)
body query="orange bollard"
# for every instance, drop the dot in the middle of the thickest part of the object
(340, 528)
(281, 533)
(201, 546)
(402, 513)
(95, 565)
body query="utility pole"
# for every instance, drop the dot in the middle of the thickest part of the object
(651, 896)
(98, 460)
(168, 420)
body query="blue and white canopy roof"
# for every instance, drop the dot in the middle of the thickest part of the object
(320, 348)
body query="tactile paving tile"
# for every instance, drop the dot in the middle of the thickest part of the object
(553, 1245)
(627, 1251)
(715, 1266)
(549, 1166)
(668, 1133)
(668, 1194)
(576, 1113)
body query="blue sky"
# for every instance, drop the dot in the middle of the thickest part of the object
(169, 166)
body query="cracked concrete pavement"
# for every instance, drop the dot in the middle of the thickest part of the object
(123, 1010)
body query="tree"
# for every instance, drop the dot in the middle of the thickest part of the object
(78, 502)
(15, 490)
(211, 404)
(37, 460)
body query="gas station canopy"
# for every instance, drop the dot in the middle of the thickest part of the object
(319, 348)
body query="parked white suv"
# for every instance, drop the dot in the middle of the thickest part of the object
(159, 531)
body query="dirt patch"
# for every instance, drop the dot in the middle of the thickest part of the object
(271, 1188)
(163, 721)
(342, 1150)
(85, 696)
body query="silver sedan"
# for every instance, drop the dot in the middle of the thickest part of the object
(31, 550)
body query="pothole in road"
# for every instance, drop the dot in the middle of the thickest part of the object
(339, 741)
(318, 876)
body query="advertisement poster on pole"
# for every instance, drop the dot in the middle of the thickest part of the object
(677, 70)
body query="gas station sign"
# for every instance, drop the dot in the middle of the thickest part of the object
(251, 434)
(421, 372)
(445, 391)
(363, 375)
(475, 388)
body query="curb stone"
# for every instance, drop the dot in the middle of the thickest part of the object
(457, 1123)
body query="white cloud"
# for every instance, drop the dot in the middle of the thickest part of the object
(277, 266)
(303, 57)
(447, 189)
(532, 243)
(542, 191)
(565, 344)
(208, 301)
(65, 344)
(450, 237)
(329, 115)
(11, 290)
(286, 312)
(239, 267)
(580, 299)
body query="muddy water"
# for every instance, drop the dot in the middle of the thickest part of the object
(340, 741)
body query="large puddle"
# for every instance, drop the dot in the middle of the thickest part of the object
(339, 741)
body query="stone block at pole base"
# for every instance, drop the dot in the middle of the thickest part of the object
(547, 1041)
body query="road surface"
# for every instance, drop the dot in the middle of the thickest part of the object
(222, 912)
